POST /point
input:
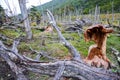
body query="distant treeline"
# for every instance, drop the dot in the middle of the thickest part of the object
(83, 6)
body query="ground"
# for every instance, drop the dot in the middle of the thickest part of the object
(50, 43)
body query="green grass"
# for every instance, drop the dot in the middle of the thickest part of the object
(55, 47)
(78, 42)
(9, 33)
(114, 42)
(33, 76)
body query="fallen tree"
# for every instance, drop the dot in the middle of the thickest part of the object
(74, 68)
(116, 53)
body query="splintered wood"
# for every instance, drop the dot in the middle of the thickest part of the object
(97, 52)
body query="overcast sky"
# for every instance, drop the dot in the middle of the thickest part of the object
(14, 6)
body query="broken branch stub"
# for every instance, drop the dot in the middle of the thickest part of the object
(71, 48)
(59, 72)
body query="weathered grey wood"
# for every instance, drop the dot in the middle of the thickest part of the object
(59, 72)
(13, 66)
(23, 9)
(42, 53)
(117, 53)
(71, 49)
(96, 16)
(73, 69)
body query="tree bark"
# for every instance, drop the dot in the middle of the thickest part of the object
(24, 13)
(72, 69)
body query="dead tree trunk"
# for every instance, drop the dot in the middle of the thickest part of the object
(71, 69)
(23, 8)
(96, 16)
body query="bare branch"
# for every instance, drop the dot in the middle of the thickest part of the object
(72, 50)
(117, 53)
(15, 56)
(13, 66)
(59, 72)
(72, 69)
(44, 54)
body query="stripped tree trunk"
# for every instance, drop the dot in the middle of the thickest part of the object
(23, 8)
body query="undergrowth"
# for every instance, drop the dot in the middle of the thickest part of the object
(50, 43)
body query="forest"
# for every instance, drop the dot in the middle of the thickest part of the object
(60, 40)
(85, 5)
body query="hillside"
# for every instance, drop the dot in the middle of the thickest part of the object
(86, 6)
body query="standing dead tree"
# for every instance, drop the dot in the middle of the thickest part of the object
(75, 69)
(96, 16)
(23, 8)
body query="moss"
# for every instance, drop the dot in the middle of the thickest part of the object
(57, 50)
(9, 33)
(33, 24)
(82, 46)
(78, 42)
(34, 76)
(23, 47)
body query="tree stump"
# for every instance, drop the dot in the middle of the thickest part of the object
(97, 52)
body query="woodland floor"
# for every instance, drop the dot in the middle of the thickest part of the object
(50, 43)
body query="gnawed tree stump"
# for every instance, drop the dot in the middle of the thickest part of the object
(97, 53)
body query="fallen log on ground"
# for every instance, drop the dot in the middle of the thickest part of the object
(73, 69)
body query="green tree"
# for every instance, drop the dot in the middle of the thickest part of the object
(35, 15)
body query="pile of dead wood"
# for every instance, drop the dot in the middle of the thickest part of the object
(79, 24)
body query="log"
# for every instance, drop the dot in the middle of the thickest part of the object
(44, 54)
(13, 66)
(59, 72)
(73, 69)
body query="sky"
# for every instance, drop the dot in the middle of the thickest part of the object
(12, 5)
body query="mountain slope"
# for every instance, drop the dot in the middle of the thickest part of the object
(58, 6)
